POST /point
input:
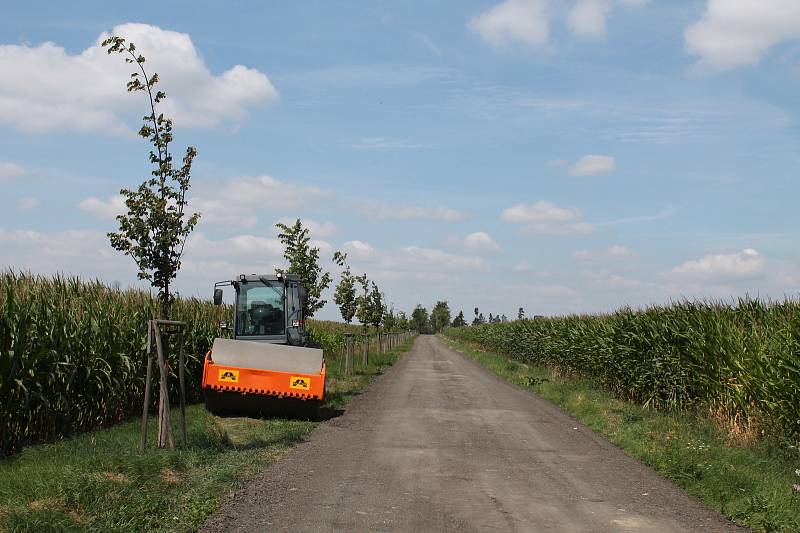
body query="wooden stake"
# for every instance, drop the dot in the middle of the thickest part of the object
(165, 422)
(147, 382)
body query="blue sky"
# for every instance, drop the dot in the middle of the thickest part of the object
(559, 155)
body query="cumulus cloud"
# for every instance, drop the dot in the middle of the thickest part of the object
(238, 202)
(316, 228)
(254, 246)
(546, 218)
(610, 254)
(105, 209)
(28, 203)
(541, 211)
(735, 33)
(591, 165)
(418, 262)
(587, 18)
(480, 241)
(523, 22)
(10, 171)
(45, 88)
(359, 249)
(85, 253)
(743, 264)
(527, 22)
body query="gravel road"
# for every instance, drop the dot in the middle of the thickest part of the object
(438, 443)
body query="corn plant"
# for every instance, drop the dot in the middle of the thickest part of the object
(742, 359)
(72, 353)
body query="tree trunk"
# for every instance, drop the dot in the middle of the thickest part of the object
(165, 302)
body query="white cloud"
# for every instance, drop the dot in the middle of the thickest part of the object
(239, 245)
(527, 22)
(105, 209)
(432, 259)
(85, 253)
(591, 165)
(588, 17)
(317, 229)
(480, 241)
(610, 254)
(358, 249)
(238, 202)
(28, 203)
(45, 88)
(735, 33)
(546, 218)
(429, 262)
(10, 171)
(524, 22)
(743, 264)
(541, 211)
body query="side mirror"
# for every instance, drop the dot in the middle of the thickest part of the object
(217, 296)
(303, 297)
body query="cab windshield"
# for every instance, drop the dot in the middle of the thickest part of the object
(259, 309)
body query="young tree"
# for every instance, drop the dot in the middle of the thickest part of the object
(304, 262)
(491, 319)
(419, 320)
(402, 321)
(363, 301)
(153, 232)
(440, 316)
(475, 320)
(521, 314)
(481, 319)
(390, 320)
(376, 307)
(345, 294)
(459, 321)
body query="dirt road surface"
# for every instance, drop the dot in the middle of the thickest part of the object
(438, 443)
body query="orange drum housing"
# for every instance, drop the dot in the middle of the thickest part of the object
(221, 377)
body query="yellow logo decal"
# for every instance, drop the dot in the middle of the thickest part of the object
(299, 383)
(229, 375)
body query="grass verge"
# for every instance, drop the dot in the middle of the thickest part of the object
(751, 485)
(98, 481)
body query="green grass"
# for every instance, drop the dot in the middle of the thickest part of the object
(752, 485)
(97, 481)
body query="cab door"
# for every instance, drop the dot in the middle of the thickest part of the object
(294, 315)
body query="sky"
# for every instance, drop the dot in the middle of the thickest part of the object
(564, 156)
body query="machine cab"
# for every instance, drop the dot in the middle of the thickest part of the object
(266, 308)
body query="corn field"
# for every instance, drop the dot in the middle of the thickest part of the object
(741, 360)
(72, 353)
